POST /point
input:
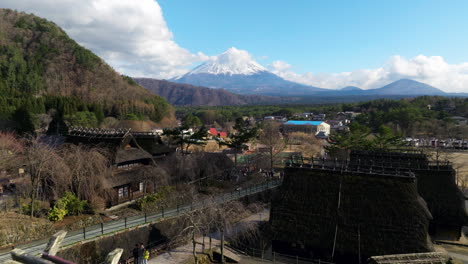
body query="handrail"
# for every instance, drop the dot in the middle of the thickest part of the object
(119, 225)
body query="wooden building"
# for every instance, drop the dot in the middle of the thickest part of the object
(132, 158)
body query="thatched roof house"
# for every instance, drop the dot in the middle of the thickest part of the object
(419, 258)
(348, 214)
(132, 157)
(436, 184)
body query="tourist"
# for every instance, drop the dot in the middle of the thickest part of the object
(145, 256)
(135, 254)
(141, 251)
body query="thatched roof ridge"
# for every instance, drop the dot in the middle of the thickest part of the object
(420, 258)
(138, 174)
(386, 213)
(131, 154)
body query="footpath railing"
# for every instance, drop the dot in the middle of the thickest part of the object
(108, 228)
(276, 257)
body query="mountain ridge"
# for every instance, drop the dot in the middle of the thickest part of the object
(39, 60)
(190, 95)
(236, 71)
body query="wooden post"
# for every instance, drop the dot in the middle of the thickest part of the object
(102, 228)
(54, 243)
(203, 241)
(145, 218)
(222, 245)
(114, 256)
(84, 232)
(162, 212)
(125, 220)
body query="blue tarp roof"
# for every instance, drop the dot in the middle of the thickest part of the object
(304, 123)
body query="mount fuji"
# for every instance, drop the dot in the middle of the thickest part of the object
(236, 71)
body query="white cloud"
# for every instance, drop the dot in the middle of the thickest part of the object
(132, 36)
(432, 70)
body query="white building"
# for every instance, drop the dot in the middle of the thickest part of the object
(308, 127)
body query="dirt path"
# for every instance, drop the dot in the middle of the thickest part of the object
(183, 254)
(460, 164)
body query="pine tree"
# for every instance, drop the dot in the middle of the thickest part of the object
(23, 120)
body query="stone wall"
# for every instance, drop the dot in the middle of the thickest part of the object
(95, 251)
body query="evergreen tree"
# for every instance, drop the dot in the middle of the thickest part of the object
(57, 126)
(238, 139)
(23, 121)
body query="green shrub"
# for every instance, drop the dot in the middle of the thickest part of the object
(57, 213)
(73, 204)
(26, 208)
(69, 204)
(153, 200)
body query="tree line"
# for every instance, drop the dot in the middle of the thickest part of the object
(425, 115)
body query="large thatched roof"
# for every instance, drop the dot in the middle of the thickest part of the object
(389, 158)
(419, 258)
(376, 214)
(436, 184)
(122, 144)
(131, 154)
(138, 174)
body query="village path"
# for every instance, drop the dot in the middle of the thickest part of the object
(457, 252)
(183, 253)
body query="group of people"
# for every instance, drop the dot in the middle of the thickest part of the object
(140, 254)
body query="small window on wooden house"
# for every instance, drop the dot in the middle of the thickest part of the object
(123, 192)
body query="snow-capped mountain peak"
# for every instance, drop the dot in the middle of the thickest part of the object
(232, 61)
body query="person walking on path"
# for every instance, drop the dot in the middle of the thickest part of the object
(145, 256)
(141, 250)
(135, 254)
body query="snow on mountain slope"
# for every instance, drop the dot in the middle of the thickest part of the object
(236, 71)
(232, 61)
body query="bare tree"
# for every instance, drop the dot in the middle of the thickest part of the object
(271, 137)
(10, 147)
(308, 144)
(212, 217)
(87, 170)
(42, 164)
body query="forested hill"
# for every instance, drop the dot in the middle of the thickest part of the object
(189, 95)
(42, 68)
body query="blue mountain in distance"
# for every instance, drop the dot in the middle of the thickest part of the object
(402, 87)
(235, 71)
(351, 88)
(406, 87)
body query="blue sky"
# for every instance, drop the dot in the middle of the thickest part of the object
(322, 36)
(326, 43)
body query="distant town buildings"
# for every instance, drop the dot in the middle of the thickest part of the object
(460, 120)
(215, 133)
(308, 127)
(275, 118)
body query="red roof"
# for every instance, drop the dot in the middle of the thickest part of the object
(213, 131)
(223, 134)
